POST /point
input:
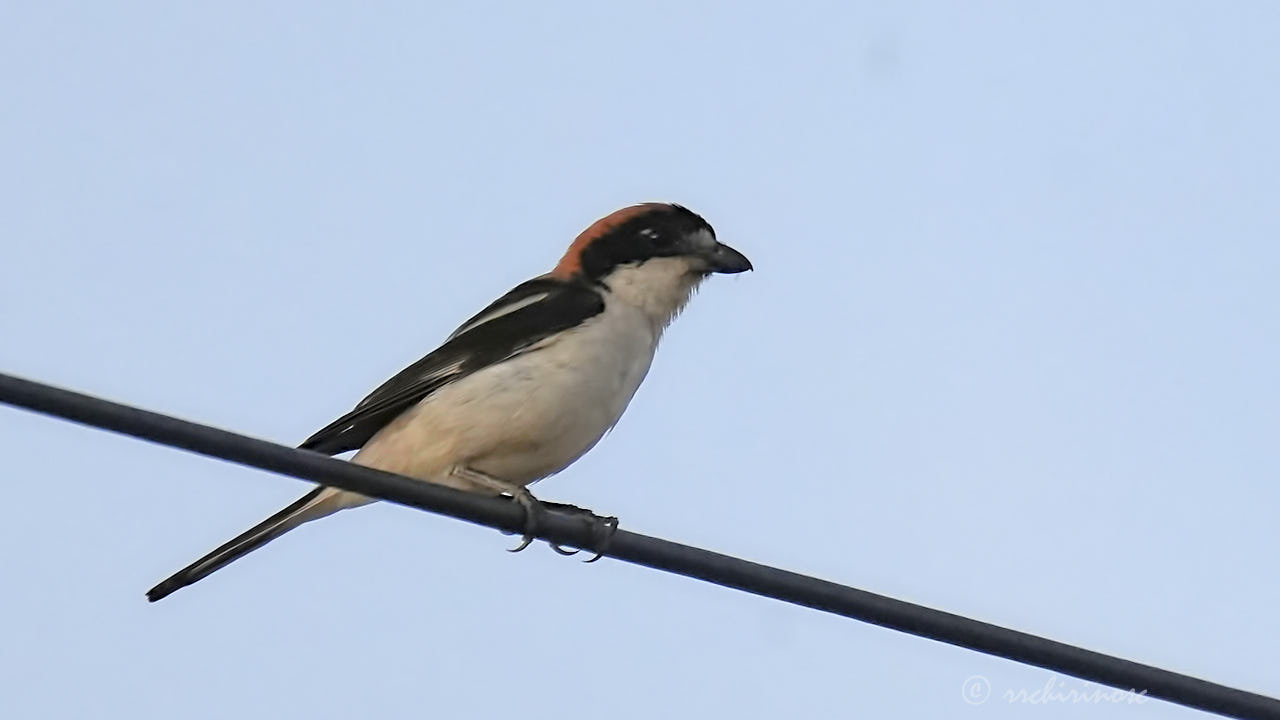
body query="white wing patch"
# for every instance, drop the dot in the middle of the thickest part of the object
(499, 312)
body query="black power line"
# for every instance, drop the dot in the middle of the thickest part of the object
(644, 550)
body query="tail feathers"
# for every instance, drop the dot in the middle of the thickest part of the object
(316, 504)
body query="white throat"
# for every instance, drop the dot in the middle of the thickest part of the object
(658, 288)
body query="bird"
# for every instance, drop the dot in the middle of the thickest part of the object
(526, 386)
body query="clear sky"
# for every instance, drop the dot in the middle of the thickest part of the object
(1011, 348)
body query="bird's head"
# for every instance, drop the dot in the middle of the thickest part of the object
(678, 238)
(651, 256)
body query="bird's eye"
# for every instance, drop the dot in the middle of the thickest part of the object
(653, 236)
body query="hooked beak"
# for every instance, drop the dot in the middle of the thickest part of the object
(724, 259)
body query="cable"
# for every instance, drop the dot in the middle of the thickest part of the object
(644, 550)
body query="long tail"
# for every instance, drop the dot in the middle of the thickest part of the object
(314, 505)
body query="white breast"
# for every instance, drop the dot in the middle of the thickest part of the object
(528, 417)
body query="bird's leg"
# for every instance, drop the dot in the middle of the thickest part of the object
(602, 529)
(519, 493)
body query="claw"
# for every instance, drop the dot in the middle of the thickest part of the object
(564, 508)
(602, 530)
(532, 509)
(607, 527)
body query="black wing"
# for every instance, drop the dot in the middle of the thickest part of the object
(531, 312)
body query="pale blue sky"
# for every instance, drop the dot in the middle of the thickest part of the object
(1010, 350)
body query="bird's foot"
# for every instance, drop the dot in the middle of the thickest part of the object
(519, 494)
(533, 511)
(602, 532)
(602, 529)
